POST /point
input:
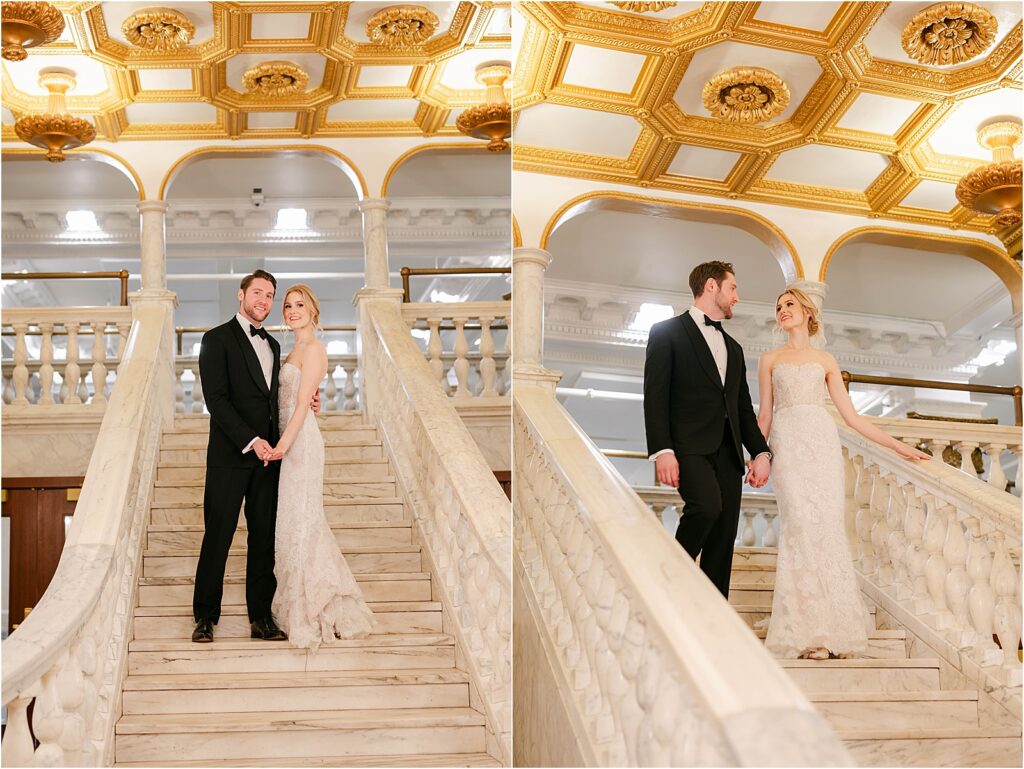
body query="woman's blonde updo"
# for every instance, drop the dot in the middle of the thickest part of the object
(813, 323)
(312, 304)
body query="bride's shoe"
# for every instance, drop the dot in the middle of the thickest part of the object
(814, 654)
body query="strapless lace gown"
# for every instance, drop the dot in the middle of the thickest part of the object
(317, 597)
(817, 602)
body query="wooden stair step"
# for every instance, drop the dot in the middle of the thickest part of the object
(423, 759)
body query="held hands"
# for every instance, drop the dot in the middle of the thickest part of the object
(263, 450)
(278, 452)
(666, 467)
(760, 469)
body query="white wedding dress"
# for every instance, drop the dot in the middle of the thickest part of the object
(817, 602)
(317, 597)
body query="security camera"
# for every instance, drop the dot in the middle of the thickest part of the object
(257, 196)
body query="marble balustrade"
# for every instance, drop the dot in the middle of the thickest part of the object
(956, 442)
(78, 347)
(68, 655)
(461, 513)
(759, 514)
(474, 354)
(940, 549)
(653, 665)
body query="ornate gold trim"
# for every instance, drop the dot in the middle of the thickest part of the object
(517, 234)
(158, 29)
(274, 79)
(473, 147)
(26, 25)
(341, 161)
(638, 7)
(401, 27)
(782, 249)
(746, 95)
(949, 33)
(20, 154)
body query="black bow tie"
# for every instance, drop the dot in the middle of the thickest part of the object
(716, 323)
(253, 331)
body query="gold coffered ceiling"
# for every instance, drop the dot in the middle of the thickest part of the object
(867, 129)
(197, 91)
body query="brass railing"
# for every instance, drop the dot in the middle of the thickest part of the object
(1014, 392)
(121, 275)
(180, 331)
(410, 271)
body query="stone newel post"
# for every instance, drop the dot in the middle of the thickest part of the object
(375, 241)
(528, 265)
(154, 245)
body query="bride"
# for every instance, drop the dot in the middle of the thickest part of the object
(317, 597)
(816, 608)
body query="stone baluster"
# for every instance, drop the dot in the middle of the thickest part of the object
(83, 388)
(501, 375)
(46, 365)
(936, 446)
(435, 349)
(981, 598)
(197, 391)
(916, 556)
(954, 553)
(8, 388)
(935, 568)
(99, 363)
(1018, 451)
(18, 746)
(330, 401)
(996, 476)
(71, 690)
(748, 537)
(48, 720)
(122, 340)
(771, 537)
(20, 375)
(881, 502)
(896, 540)
(461, 362)
(966, 448)
(865, 487)
(487, 366)
(1007, 614)
(72, 371)
(350, 387)
(179, 389)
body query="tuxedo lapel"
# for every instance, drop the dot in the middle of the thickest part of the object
(701, 349)
(732, 366)
(275, 368)
(251, 361)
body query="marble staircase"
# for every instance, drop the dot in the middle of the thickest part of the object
(397, 698)
(889, 708)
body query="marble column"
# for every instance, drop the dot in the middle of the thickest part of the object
(154, 245)
(528, 266)
(375, 242)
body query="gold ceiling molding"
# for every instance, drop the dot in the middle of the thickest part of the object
(55, 130)
(158, 29)
(995, 188)
(746, 95)
(401, 27)
(949, 33)
(492, 120)
(26, 25)
(643, 7)
(276, 78)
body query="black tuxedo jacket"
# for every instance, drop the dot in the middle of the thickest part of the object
(685, 402)
(241, 405)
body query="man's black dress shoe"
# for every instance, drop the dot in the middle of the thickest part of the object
(266, 630)
(203, 634)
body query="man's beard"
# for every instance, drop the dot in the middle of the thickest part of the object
(726, 309)
(251, 311)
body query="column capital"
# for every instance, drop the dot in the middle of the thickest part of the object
(147, 206)
(815, 289)
(373, 204)
(390, 294)
(530, 255)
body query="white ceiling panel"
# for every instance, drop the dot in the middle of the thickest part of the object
(280, 26)
(90, 78)
(271, 120)
(958, 134)
(703, 162)
(460, 71)
(596, 133)
(7, 116)
(373, 109)
(805, 15)
(829, 167)
(500, 23)
(382, 77)
(878, 114)
(798, 71)
(603, 69)
(165, 79)
(190, 112)
(884, 39)
(938, 196)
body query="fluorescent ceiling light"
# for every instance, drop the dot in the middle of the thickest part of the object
(291, 219)
(649, 314)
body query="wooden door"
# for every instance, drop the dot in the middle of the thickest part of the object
(39, 510)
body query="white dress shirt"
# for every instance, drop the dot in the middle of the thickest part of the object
(263, 352)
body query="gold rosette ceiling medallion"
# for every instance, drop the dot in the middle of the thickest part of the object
(995, 189)
(55, 130)
(26, 25)
(158, 29)
(493, 119)
(949, 33)
(745, 95)
(275, 78)
(643, 7)
(401, 27)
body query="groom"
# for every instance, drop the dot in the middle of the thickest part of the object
(698, 416)
(238, 365)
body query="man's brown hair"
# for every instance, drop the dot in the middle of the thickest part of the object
(700, 274)
(258, 274)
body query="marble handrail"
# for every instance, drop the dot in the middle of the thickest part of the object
(68, 655)
(758, 514)
(653, 665)
(71, 323)
(461, 513)
(477, 375)
(939, 550)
